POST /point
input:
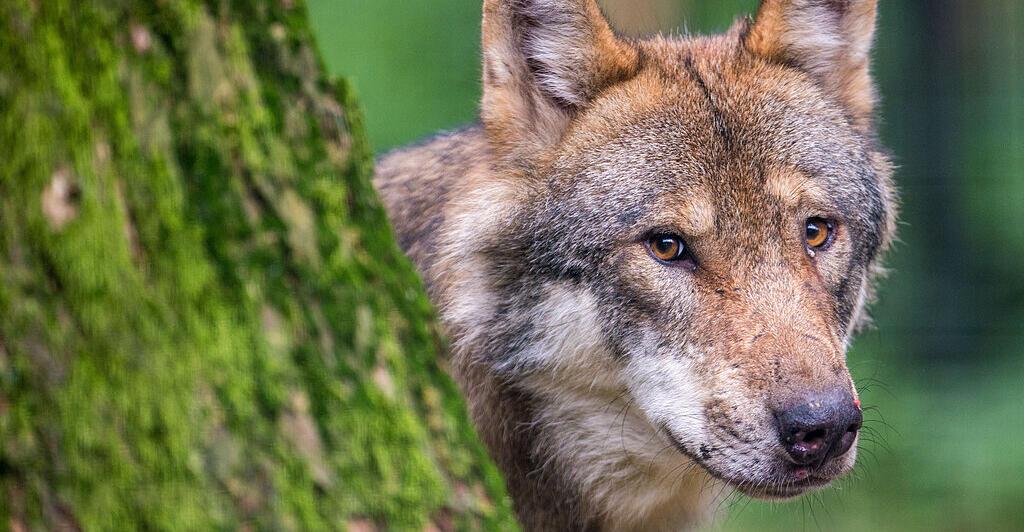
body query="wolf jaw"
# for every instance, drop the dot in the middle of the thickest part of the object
(616, 391)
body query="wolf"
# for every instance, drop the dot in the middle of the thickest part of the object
(650, 256)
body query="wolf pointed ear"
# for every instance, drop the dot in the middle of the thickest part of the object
(544, 61)
(830, 39)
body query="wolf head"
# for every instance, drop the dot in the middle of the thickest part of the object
(686, 226)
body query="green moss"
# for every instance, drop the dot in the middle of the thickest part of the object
(207, 323)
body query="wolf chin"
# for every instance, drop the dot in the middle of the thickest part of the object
(650, 256)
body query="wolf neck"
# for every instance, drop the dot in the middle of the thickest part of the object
(629, 477)
(584, 461)
(572, 431)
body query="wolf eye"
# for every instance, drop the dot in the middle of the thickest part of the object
(668, 248)
(819, 233)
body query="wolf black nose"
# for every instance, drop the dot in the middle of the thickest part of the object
(823, 427)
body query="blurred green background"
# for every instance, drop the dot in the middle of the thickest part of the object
(943, 370)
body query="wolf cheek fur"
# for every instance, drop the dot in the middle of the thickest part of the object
(616, 390)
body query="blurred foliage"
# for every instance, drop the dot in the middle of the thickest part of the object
(942, 369)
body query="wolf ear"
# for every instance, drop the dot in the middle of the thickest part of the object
(830, 39)
(544, 61)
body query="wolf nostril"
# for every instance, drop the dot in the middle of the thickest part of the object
(816, 436)
(847, 439)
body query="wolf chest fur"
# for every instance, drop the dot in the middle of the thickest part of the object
(650, 256)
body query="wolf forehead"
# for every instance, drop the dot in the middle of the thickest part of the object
(715, 135)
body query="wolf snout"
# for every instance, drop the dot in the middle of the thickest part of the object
(819, 427)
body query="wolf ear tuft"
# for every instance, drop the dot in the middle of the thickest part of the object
(545, 60)
(830, 39)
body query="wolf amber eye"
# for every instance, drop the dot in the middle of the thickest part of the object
(667, 248)
(818, 233)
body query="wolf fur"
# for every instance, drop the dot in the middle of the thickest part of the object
(614, 391)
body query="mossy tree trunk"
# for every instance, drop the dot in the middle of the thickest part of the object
(204, 320)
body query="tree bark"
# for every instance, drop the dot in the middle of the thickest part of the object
(204, 320)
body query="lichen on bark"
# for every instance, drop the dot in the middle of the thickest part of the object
(204, 320)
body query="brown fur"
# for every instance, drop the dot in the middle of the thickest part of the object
(529, 231)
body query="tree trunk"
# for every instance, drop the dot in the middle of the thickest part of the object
(204, 320)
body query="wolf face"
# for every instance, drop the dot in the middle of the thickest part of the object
(652, 256)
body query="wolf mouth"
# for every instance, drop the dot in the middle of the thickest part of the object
(766, 489)
(781, 491)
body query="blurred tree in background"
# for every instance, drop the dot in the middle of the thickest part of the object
(205, 323)
(942, 369)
